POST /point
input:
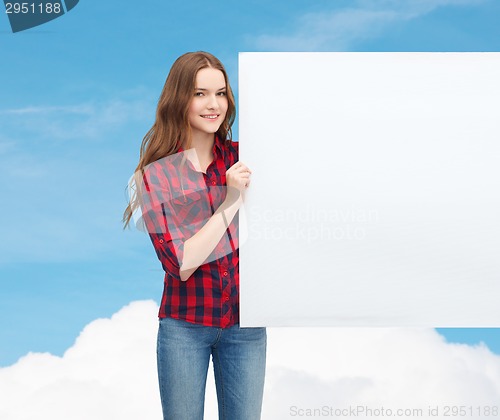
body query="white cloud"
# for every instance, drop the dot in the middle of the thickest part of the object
(68, 209)
(65, 196)
(84, 109)
(6, 144)
(341, 28)
(393, 368)
(82, 121)
(89, 120)
(110, 373)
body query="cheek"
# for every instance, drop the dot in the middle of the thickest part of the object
(193, 109)
(224, 105)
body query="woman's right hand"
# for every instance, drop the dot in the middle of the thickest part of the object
(238, 176)
(237, 181)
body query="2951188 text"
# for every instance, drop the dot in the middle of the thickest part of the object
(31, 7)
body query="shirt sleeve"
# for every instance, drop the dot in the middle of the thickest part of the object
(159, 220)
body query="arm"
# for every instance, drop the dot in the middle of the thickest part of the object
(180, 257)
(200, 245)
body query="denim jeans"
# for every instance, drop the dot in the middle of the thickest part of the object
(239, 359)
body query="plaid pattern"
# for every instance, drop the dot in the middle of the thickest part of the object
(176, 201)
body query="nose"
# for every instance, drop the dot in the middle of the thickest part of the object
(213, 103)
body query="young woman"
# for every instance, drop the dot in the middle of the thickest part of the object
(189, 187)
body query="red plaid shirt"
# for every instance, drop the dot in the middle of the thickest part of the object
(176, 202)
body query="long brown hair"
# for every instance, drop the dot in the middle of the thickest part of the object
(171, 128)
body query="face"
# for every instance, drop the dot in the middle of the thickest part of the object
(208, 107)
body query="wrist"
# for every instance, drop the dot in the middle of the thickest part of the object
(233, 196)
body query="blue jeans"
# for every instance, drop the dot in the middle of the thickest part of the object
(239, 359)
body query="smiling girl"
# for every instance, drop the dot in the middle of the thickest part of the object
(189, 187)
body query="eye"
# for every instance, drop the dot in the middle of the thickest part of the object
(198, 94)
(222, 93)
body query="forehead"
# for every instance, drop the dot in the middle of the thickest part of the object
(210, 78)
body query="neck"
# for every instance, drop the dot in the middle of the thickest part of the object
(203, 144)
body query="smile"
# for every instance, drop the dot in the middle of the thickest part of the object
(210, 117)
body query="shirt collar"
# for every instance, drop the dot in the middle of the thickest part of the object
(217, 149)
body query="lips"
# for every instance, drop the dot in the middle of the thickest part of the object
(210, 116)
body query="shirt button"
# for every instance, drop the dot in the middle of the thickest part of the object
(161, 241)
(225, 273)
(214, 182)
(226, 298)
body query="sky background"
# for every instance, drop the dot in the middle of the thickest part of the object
(79, 93)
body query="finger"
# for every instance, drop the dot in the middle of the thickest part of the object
(244, 169)
(237, 170)
(240, 166)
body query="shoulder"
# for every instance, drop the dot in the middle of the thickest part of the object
(227, 151)
(163, 170)
(233, 146)
(231, 151)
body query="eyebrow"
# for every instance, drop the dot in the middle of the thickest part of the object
(203, 89)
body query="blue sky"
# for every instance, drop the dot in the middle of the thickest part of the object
(79, 93)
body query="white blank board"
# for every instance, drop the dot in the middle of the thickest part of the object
(375, 195)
